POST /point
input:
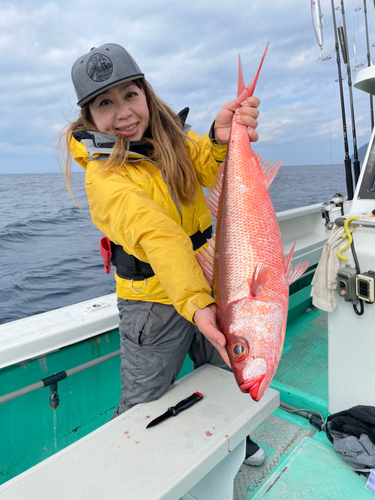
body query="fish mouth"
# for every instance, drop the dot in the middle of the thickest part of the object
(252, 387)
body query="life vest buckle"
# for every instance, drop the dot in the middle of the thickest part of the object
(139, 289)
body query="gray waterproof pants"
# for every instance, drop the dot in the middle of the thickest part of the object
(154, 341)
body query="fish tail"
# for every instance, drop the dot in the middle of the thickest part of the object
(240, 85)
(251, 87)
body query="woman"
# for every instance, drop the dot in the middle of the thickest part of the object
(144, 176)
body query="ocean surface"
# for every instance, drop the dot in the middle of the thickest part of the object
(49, 248)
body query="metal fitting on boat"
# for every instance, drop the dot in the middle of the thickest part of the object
(54, 399)
(340, 222)
(326, 207)
(337, 200)
(51, 381)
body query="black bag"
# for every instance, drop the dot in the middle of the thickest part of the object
(352, 433)
(354, 422)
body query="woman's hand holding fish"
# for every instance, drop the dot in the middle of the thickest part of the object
(205, 319)
(246, 113)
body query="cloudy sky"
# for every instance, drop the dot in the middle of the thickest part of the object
(188, 51)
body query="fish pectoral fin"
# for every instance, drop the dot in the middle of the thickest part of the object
(214, 191)
(258, 280)
(205, 257)
(270, 169)
(293, 273)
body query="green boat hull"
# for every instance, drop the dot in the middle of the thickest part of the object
(31, 431)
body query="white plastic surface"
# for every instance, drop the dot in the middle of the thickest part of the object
(37, 335)
(123, 459)
(219, 482)
(305, 227)
(365, 80)
(96, 307)
(351, 339)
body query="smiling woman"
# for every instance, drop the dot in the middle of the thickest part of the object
(144, 175)
(101, 80)
(121, 110)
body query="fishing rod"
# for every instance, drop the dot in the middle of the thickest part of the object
(347, 160)
(369, 62)
(345, 55)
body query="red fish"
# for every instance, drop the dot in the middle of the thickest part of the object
(245, 263)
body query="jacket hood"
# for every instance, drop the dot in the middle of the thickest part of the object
(95, 146)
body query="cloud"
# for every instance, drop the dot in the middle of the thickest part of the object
(304, 58)
(189, 53)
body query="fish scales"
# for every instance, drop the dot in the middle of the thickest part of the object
(247, 231)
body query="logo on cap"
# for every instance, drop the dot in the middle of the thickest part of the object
(99, 68)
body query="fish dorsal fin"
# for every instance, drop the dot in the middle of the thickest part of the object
(205, 257)
(259, 278)
(293, 273)
(270, 168)
(240, 85)
(213, 196)
(251, 87)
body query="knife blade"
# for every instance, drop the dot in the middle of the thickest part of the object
(175, 410)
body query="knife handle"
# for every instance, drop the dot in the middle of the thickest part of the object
(185, 403)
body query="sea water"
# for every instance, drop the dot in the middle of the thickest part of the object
(49, 248)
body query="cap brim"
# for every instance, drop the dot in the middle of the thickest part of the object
(88, 98)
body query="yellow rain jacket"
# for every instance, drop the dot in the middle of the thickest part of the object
(134, 208)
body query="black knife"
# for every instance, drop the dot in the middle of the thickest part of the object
(175, 410)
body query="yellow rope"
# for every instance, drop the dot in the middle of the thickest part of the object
(348, 235)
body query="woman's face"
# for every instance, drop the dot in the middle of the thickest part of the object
(121, 110)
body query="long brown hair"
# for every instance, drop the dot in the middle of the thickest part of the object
(167, 139)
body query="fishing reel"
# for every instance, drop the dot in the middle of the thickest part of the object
(336, 201)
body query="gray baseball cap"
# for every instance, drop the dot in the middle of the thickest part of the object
(102, 68)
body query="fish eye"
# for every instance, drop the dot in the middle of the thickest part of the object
(238, 350)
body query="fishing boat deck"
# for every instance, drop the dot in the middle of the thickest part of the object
(301, 463)
(303, 369)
